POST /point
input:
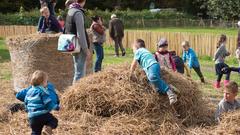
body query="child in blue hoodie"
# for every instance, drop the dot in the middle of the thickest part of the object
(39, 103)
(190, 56)
(152, 69)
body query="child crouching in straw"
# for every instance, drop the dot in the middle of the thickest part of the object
(146, 60)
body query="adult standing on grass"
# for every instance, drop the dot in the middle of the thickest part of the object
(116, 32)
(98, 38)
(75, 25)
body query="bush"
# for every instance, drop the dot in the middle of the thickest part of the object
(21, 18)
(128, 16)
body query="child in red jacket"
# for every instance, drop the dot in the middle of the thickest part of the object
(163, 56)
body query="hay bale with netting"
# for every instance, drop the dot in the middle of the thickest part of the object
(39, 52)
(111, 93)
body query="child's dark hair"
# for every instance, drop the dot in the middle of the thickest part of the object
(222, 39)
(95, 18)
(141, 43)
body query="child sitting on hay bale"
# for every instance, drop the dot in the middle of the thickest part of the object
(190, 56)
(163, 56)
(229, 102)
(48, 23)
(39, 104)
(152, 69)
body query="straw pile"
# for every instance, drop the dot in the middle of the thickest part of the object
(108, 103)
(39, 52)
(133, 107)
(229, 125)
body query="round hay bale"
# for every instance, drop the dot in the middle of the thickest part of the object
(39, 52)
(111, 92)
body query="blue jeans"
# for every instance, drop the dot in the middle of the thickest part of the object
(79, 60)
(100, 55)
(154, 76)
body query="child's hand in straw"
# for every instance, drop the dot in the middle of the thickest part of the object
(133, 77)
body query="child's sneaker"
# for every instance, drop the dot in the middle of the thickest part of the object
(202, 80)
(171, 95)
(47, 131)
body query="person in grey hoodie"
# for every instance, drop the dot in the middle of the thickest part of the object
(75, 25)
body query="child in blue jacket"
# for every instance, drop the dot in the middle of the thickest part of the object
(152, 69)
(50, 87)
(39, 103)
(190, 56)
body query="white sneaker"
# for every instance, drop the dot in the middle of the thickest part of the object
(172, 96)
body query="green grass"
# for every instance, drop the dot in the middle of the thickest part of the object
(109, 58)
(4, 54)
(207, 66)
(195, 30)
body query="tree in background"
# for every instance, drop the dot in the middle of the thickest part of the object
(224, 9)
(219, 9)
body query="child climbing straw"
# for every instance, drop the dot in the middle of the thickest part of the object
(220, 64)
(39, 104)
(229, 102)
(190, 56)
(152, 69)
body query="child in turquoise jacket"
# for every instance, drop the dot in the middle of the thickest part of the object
(152, 69)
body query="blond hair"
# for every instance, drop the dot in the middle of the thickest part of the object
(186, 43)
(38, 77)
(232, 87)
(44, 9)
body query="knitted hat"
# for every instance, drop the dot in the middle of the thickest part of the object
(162, 42)
(113, 16)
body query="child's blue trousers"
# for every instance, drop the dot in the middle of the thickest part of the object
(154, 76)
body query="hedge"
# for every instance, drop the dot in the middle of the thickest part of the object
(31, 18)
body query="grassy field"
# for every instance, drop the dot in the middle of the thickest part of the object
(195, 30)
(207, 66)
